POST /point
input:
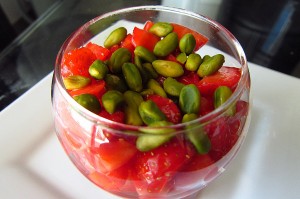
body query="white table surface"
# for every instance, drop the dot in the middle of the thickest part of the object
(33, 164)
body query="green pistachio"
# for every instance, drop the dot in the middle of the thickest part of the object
(115, 37)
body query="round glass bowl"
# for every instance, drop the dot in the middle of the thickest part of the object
(105, 151)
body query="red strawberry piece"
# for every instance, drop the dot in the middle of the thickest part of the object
(77, 62)
(168, 107)
(225, 76)
(155, 169)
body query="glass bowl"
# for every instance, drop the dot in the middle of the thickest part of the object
(104, 150)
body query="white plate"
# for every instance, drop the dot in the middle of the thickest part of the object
(34, 165)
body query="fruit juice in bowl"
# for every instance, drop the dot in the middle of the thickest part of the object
(151, 101)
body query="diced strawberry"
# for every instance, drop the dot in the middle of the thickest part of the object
(241, 109)
(77, 62)
(171, 57)
(148, 25)
(235, 122)
(117, 180)
(96, 88)
(115, 154)
(206, 106)
(234, 127)
(225, 76)
(161, 79)
(181, 31)
(144, 38)
(189, 78)
(100, 52)
(118, 116)
(114, 48)
(168, 107)
(106, 182)
(224, 131)
(198, 162)
(127, 43)
(155, 169)
(218, 132)
(200, 168)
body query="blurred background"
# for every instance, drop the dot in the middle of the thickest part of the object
(32, 32)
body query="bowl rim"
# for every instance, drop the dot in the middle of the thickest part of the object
(98, 120)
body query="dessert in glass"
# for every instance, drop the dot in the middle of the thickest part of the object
(151, 101)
